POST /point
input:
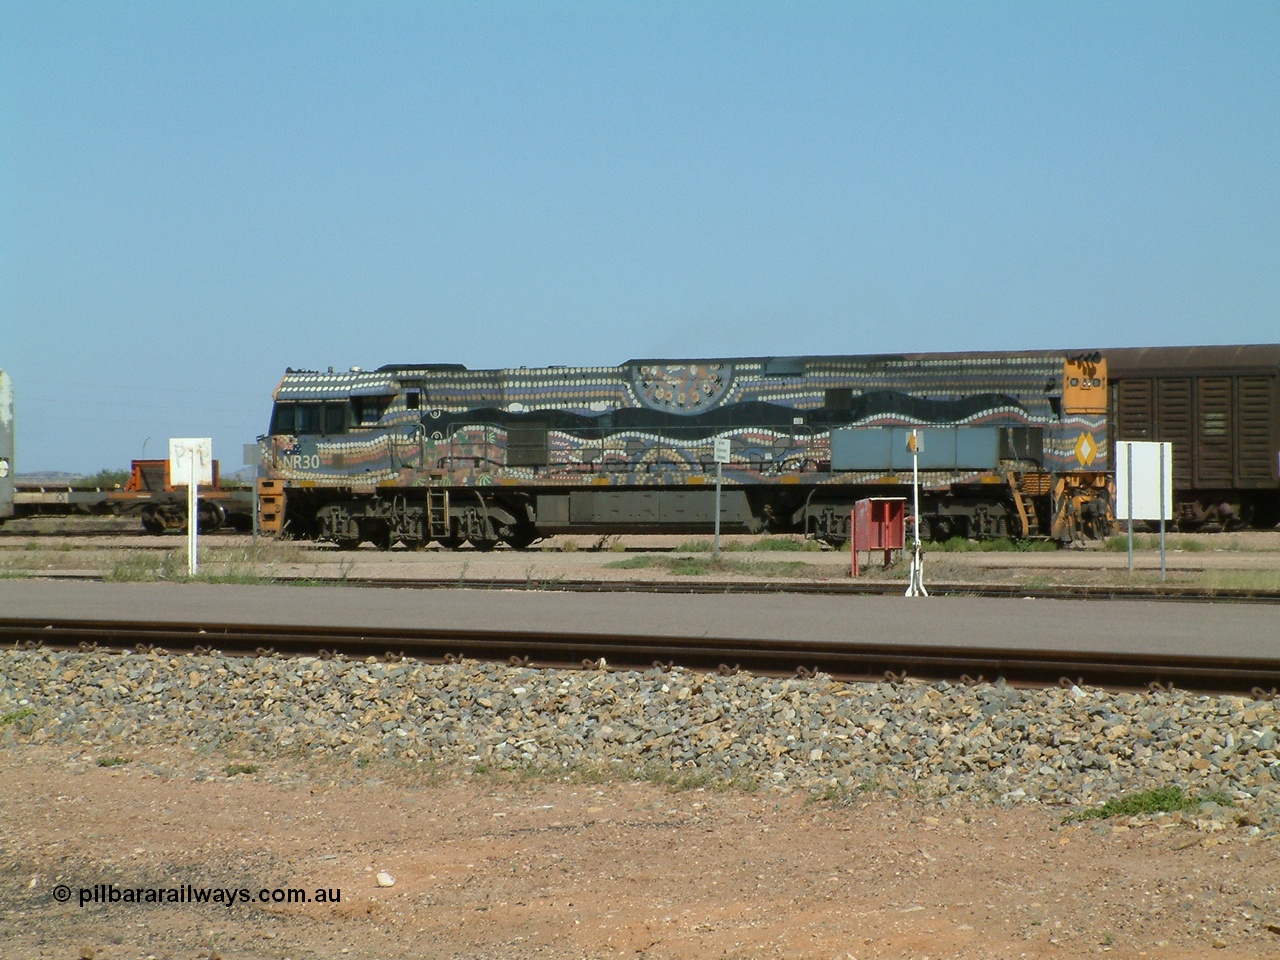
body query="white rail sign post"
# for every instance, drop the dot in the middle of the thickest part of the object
(1144, 487)
(915, 443)
(720, 453)
(191, 462)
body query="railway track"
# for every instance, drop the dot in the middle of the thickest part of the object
(862, 661)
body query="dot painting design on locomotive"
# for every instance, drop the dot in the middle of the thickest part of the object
(879, 393)
(529, 434)
(581, 390)
(682, 388)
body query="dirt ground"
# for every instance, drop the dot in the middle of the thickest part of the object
(497, 865)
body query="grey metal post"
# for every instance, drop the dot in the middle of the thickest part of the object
(715, 544)
(193, 563)
(1160, 449)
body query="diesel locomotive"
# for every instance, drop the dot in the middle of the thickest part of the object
(1012, 444)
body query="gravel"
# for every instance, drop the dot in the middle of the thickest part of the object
(987, 742)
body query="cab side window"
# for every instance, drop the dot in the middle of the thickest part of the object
(335, 418)
(282, 418)
(308, 419)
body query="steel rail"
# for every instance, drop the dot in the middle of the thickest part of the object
(878, 661)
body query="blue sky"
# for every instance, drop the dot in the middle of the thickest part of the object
(194, 196)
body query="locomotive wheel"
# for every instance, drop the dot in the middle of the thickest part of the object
(521, 536)
(926, 529)
(483, 545)
(348, 543)
(210, 517)
(151, 523)
(450, 543)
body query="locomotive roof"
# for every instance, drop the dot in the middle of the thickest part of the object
(1237, 358)
(394, 368)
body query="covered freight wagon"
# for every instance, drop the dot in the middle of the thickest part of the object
(1219, 406)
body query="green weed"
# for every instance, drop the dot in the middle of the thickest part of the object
(686, 566)
(690, 566)
(1151, 541)
(133, 567)
(1256, 580)
(841, 795)
(763, 545)
(1155, 800)
(639, 562)
(114, 761)
(992, 545)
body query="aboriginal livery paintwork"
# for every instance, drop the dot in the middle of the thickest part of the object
(650, 424)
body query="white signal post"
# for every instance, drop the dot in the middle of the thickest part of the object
(1144, 487)
(720, 454)
(191, 459)
(916, 586)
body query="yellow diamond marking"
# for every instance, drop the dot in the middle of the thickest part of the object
(1086, 450)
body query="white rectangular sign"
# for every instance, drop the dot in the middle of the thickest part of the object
(1141, 461)
(188, 452)
(721, 452)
